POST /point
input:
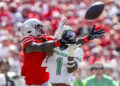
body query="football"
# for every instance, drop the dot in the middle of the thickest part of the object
(94, 11)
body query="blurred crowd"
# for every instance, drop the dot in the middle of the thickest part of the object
(106, 49)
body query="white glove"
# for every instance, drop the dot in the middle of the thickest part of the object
(60, 29)
(71, 49)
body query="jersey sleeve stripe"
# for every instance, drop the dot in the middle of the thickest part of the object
(27, 37)
(28, 41)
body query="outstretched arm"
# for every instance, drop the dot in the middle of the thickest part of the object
(81, 41)
(49, 45)
(60, 29)
(92, 35)
(42, 47)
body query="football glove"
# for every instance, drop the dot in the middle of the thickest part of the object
(60, 29)
(95, 34)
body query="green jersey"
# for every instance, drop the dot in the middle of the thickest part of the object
(105, 81)
(77, 83)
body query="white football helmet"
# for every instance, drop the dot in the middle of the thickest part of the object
(32, 27)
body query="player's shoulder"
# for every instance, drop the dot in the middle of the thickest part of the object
(28, 39)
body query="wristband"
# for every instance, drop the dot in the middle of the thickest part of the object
(86, 39)
(70, 66)
(70, 61)
(57, 44)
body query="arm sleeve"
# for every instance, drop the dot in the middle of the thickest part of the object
(78, 54)
(2, 80)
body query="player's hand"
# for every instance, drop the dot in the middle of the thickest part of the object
(60, 29)
(68, 37)
(95, 34)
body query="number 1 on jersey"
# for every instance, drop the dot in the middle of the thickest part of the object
(59, 65)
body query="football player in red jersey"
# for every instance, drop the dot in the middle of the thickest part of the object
(35, 49)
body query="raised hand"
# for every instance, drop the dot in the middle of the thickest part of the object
(95, 34)
(60, 29)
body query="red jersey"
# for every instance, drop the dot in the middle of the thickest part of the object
(32, 70)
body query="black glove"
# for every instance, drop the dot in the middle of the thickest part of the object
(68, 37)
(95, 34)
